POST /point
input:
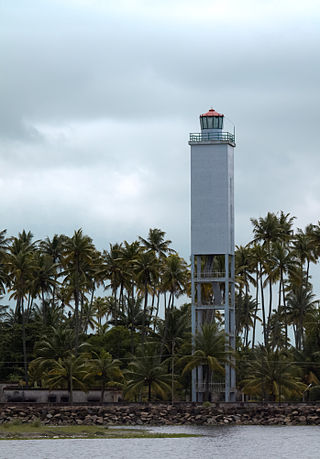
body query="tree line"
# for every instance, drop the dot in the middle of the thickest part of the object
(84, 318)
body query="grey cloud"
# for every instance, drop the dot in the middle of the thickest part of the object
(91, 99)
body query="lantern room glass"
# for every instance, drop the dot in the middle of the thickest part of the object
(211, 122)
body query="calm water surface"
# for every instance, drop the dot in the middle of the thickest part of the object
(236, 442)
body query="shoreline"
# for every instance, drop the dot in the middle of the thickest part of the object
(162, 414)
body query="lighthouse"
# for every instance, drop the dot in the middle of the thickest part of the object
(212, 244)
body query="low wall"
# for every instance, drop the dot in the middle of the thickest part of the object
(14, 395)
(162, 414)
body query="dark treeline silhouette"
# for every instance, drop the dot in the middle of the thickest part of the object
(88, 319)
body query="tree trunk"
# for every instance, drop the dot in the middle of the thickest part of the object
(24, 345)
(270, 308)
(76, 319)
(44, 308)
(144, 315)
(172, 372)
(264, 325)
(157, 311)
(256, 309)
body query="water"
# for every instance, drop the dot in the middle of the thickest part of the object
(236, 442)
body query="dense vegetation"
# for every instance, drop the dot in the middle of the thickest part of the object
(84, 319)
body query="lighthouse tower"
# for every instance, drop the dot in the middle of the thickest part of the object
(212, 244)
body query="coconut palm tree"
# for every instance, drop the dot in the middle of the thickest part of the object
(304, 250)
(67, 372)
(112, 267)
(4, 279)
(258, 259)
(173, 330)
(127, 257)
(20, 266)
(244, 268)
(272, 375)
(175, 276)
(131, 317)
(54, 248)
(146, 271)
(246, 308)
(156, 243)
(104, 368)
(300, 302)
(145, 372)
(78, 252)
(268, 231)
(210, 353)
(58, 342)
(44, 279)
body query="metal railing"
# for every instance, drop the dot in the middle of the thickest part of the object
(213, 387)
(209, 274)
(207, 137)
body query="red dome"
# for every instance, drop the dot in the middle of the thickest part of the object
(211, 112)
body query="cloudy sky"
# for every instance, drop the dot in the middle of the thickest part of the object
(97, 99)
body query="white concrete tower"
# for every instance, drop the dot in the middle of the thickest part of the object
(212, 242)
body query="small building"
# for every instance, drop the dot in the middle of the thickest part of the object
(15, 394)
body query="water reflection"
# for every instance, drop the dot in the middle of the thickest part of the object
(236, 442)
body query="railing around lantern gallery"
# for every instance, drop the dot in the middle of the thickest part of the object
(212, 136)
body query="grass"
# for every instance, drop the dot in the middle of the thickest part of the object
(36, 430)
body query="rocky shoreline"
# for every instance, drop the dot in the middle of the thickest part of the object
(163, 414)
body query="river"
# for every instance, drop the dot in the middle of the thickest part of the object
(236, 442)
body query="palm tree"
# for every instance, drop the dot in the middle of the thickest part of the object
(146, 270)
(173, 330)
(113, 268)
(282, 262)
(106, 369)
(145, 372)
(54, 248)
(156, 243)
(175, 276)
(127, 257)
(258, 259)
(210, 353)
(77, 257)
(304, 250)
(285, 225)
(20, 265)
(278, 335)
(4, 279)
(44, 279)
(132, 317)
(300, 302)
(244, 268)
(271, 374)
(3, 241)
(57, 344)
(66, 372)
(266, 230)
(246, 314)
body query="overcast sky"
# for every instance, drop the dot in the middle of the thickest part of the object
(97, 99)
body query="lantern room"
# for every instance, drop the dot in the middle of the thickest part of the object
(211, 120)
